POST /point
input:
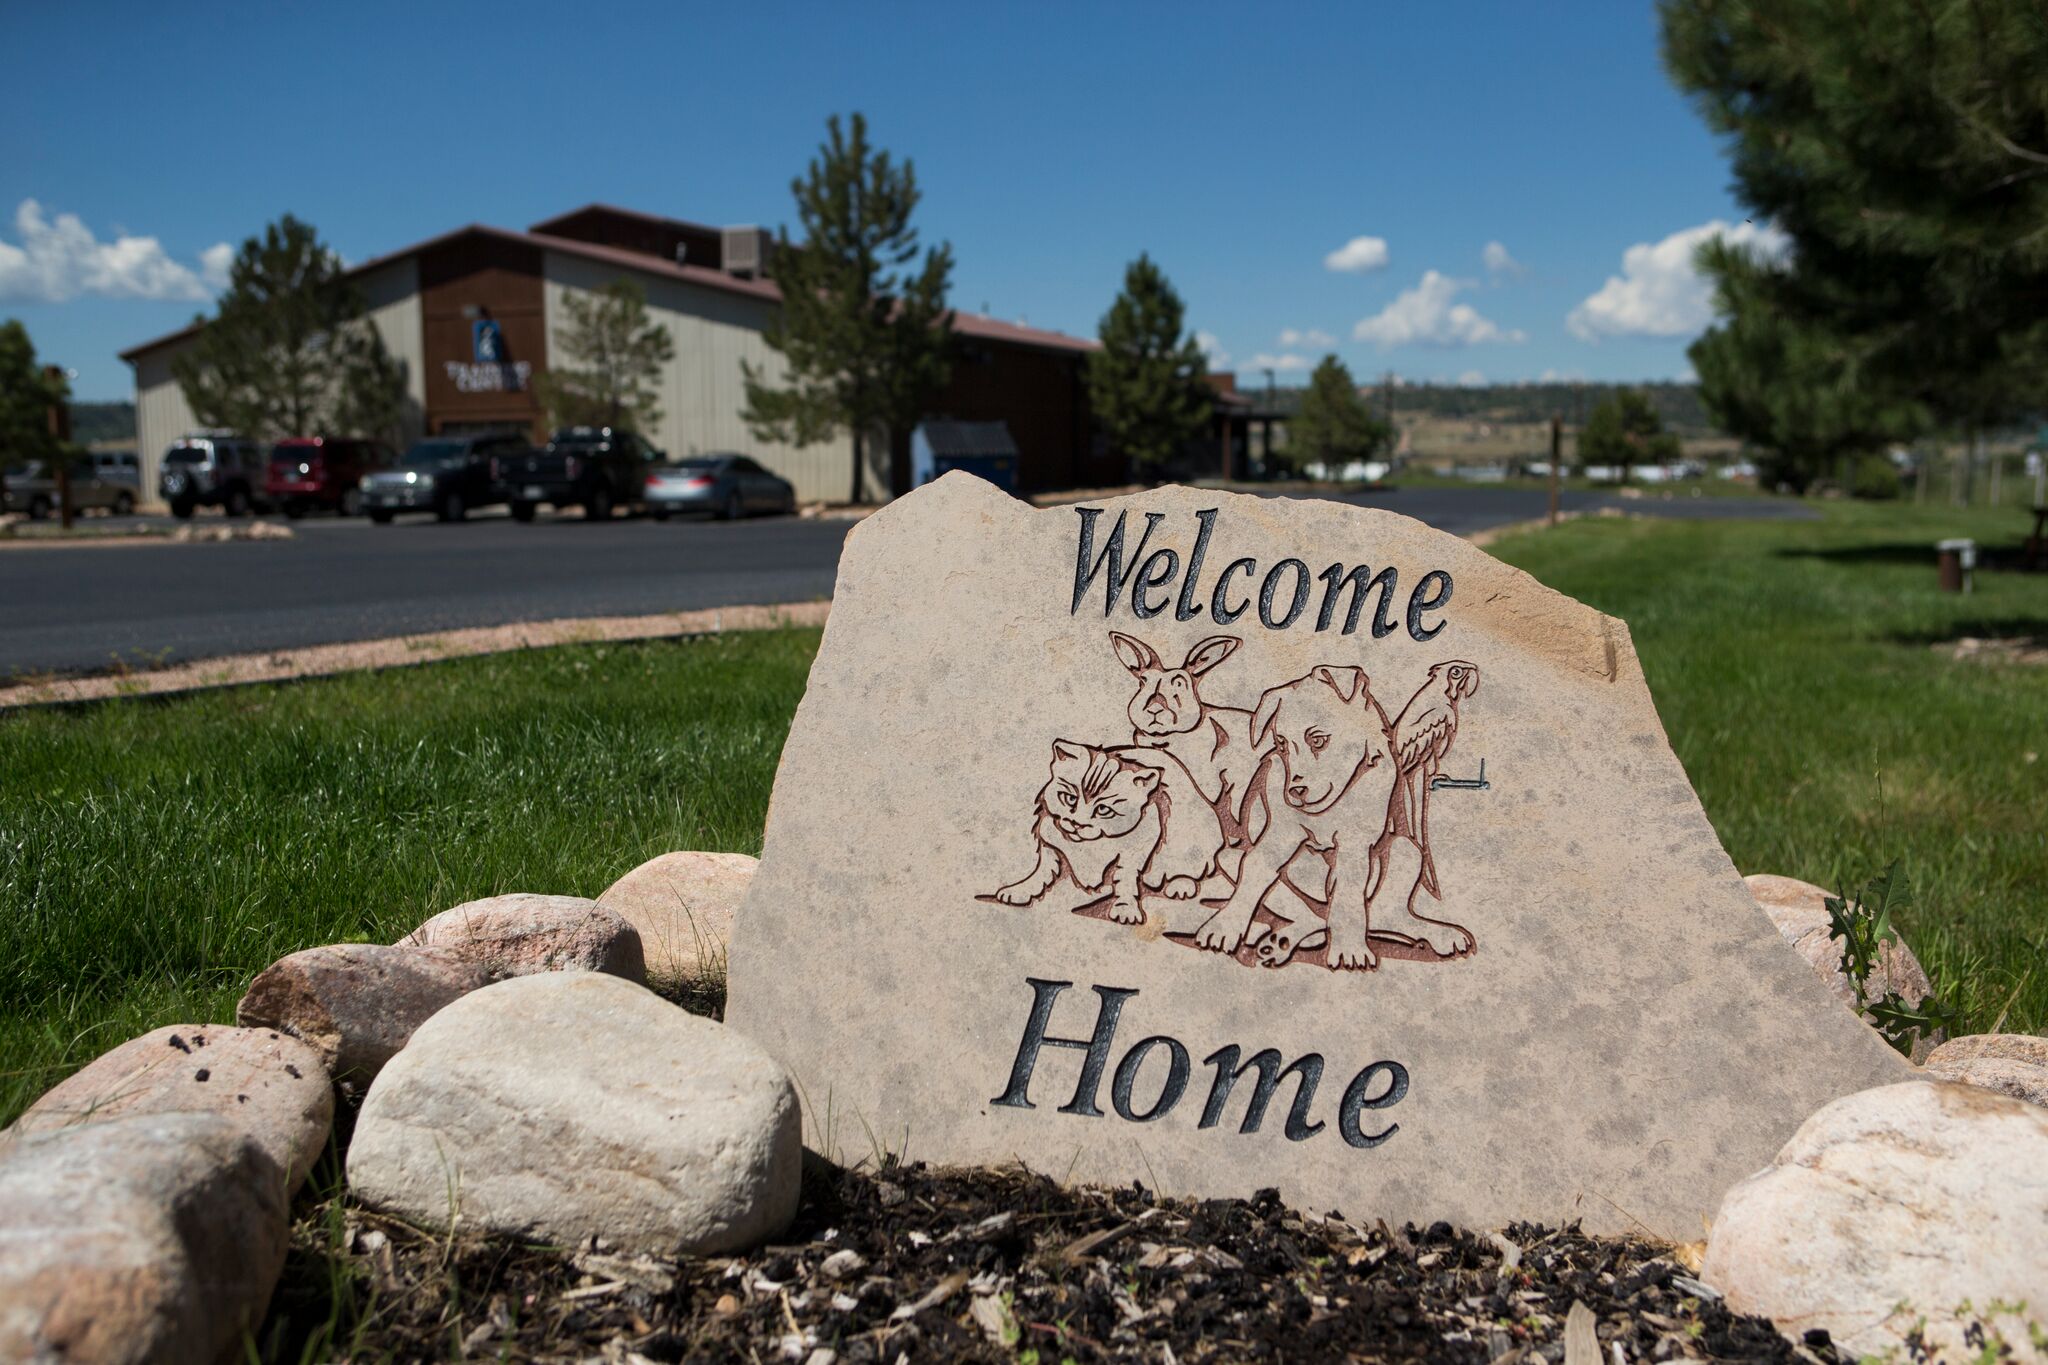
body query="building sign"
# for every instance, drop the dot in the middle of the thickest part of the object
(1221, 843)
(512, 376)
(486, 341)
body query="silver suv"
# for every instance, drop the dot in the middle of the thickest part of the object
(214, 470)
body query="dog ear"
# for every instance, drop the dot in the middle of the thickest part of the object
(1134, 653)
(1210, 652)
(1145, 776)
(1268, 712)
(1063, 752)
(1343, 679)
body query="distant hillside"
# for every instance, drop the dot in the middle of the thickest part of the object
(1515, 404)
(92, 422)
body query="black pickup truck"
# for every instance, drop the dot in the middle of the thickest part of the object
(596, 468)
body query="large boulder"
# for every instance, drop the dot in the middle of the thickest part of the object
(273, 1087)
(682, 904)
(558, 1107)
(153, 1238)
(519, 934)
(1799, 910)
(357, 1003)
(1893, 1206)
(2014, 1064)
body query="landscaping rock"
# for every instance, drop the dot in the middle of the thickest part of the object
(273, 1087)
(1799, 910)
(562, 1107)
(2014, 1064)
(357, 1003)
(682, 904)
(520, 934)
(153, 1238)
(1890, 1206)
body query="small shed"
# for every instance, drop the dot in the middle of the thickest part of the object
(983, 449)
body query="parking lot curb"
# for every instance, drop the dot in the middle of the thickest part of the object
(237, 670)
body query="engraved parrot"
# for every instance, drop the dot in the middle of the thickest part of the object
(1423, 734)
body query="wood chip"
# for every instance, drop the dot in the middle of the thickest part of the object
(1581, 1341)
(1080, 1250)
(945, 1289)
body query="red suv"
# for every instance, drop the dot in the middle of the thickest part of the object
(313, 471)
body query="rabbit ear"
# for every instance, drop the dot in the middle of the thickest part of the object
(1268, 712)
(1134, 653)
(1343, 680)
(1210, 652)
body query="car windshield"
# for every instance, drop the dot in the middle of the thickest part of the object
(696, 466)
(433, 452)
(187, 455)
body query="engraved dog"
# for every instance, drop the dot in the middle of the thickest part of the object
(1327, 785)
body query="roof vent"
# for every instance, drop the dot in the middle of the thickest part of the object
(682, 251)
(745, 250)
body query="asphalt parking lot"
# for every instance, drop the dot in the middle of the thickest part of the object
(82, 608)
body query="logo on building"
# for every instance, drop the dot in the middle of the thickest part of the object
(486, 341)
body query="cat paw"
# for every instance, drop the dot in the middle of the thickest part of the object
(1019, 894)
(1220, 934)
(1446, 940)
(1182, 888)
(1355, 957)
(1126, 912)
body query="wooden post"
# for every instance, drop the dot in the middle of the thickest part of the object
(1223, 422)
(60, 436)
(1556, 459)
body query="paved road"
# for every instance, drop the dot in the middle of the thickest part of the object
(77, 608)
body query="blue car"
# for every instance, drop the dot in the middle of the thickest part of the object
(728, 486)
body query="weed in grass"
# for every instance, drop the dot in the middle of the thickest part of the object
(1863, 926)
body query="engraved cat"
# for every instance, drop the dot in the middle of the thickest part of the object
(1120, 820)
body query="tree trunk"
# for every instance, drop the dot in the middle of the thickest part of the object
(860, 455)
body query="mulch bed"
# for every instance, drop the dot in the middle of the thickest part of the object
(914, 1264)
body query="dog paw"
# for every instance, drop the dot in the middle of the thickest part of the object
(1447, 940)
(1014, 895)
(1126, 912)
(1356, 958)
(1182, 888)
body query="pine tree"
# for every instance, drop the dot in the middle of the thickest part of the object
(1625, 430)
(1334, 425)
(614, 355)
(289, 352)
(26, 393)
(1147, 383)
(864, 328)
(1905, 156)
(1794, 389)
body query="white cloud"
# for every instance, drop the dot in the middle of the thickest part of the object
(213, 266)
(1219, 359)
(1658, 292)
(59, 259)
(1472, 379)
(1358, 255)
(1313, 337)
(1500, 263)
(1560, 377)
(1426, 315)
(1281, 364)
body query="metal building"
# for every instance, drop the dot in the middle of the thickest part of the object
(471, 317)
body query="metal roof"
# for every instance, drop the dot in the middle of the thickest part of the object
(958, 439)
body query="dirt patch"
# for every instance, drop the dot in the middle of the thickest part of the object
(1008, 1266)
(2007, 649)
(283, 665)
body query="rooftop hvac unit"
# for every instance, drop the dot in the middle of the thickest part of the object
(682, 253)
(745, 250)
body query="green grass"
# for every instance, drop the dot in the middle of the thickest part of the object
(156, 854)
(1794, 668)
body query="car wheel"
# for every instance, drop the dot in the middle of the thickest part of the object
(123, 505)
(734, 508)
(182, 508)
(38, 507)
(381, 518)
(293, 509)
(523, 511)
(598, 507)
(352, 502)
(237, 504)
(452, 508)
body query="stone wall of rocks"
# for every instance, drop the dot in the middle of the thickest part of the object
(516, 1075)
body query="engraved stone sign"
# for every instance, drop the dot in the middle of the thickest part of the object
(1218, 843)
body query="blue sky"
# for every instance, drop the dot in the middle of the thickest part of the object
(1249, 150)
